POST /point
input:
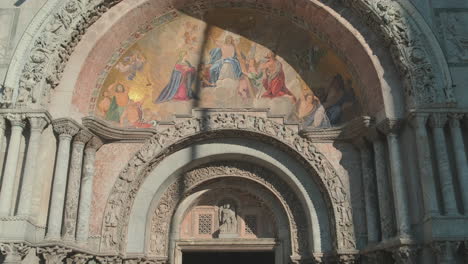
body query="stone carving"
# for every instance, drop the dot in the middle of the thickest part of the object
(65, 127)
(164, 210)
(53, 255)
(438, 120)
(14, 252)
(126, 186)
(455, 35)
(110, 260)
(78, 258)
(17, 119)
(405, 254)
(65, 27)
(227, 218)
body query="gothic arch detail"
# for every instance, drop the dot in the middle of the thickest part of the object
(123, 193)
(39, 61)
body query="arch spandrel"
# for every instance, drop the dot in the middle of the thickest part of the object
(33, 72)
(126, 187)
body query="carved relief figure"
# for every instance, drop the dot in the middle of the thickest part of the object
(227, 218)
(456, 34)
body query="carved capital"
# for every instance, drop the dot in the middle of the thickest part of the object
(53, 255)
(454, 119)
(83, 136)
(2, 122)
(38, 123)
(405, 254)
(110, 260)
(438, 120)
(78, 259)
(94, 144)
(445, 250)
(17, 120)
(390, 126)
(14, 251)
(348, 258)
(65, 127)
(418, 120)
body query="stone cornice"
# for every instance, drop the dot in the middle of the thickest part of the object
(355, 128)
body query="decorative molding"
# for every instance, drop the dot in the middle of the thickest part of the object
(414, 48)
(14, 252)
(130, 179)
(348, 131)
(111, 133)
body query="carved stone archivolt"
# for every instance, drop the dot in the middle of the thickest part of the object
(123, 193)
(182, 187)
(46, 55)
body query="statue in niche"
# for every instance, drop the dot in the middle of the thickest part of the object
(227, 217)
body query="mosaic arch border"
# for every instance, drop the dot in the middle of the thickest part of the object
(121, 198)
(40, 58)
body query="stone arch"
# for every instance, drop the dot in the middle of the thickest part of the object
(164, 208)
(45, 48)
(120, 201)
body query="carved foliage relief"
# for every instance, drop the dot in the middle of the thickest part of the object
(452, 27)
(130, 179)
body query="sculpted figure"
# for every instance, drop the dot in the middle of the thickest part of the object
(227, 219)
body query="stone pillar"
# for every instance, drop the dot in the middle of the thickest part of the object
(14, 252)
(73, 187)
(2, 130)
(387, 224)
(445, 251)
(460, 158)
(370, 195)
(37, 125)
(437, 122)
(11, 164)
(87, 190)
(53, 255)
(418, 122)
(391, 129)
(66, 129)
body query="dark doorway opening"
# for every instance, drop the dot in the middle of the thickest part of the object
(228, 257)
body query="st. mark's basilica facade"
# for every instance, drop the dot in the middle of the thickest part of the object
(240, 131)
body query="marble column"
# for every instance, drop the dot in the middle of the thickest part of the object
(66, 129)
(86, 191)
(460, 158)
(11, 164)
(391, 128)
(37, 125)
(14, 252)
(73, 187)
(445, 251)
(370, 193)
(438, 122)
(418, 122)
(383, 190)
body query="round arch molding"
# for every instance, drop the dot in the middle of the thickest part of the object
(126, 188)
(163, 209)
(40, 58)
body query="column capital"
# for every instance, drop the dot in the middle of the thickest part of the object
(94, 143)
(53, 255)
(418, 120)
(38, 122)
(390, 126)
(65, 127)
(19, 250)
(17, 119)
(454, 119)
(438, 120)
(110, 260)
(83, 136)
(405, 254)
(78, 258)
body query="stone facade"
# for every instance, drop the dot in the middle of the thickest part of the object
(389, 185)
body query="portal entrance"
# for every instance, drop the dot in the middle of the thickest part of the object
(228, 257)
